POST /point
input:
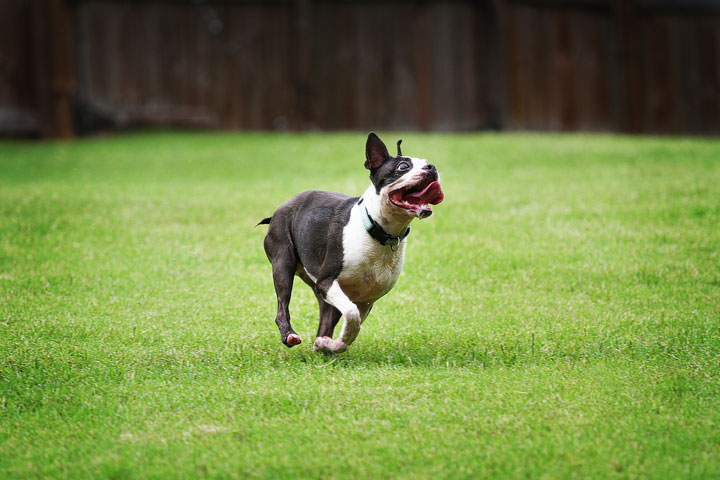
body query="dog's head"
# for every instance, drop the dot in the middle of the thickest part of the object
(408, 184)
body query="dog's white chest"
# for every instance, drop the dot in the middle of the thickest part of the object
(370, 270)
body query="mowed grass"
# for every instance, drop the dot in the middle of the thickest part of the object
(558, 316)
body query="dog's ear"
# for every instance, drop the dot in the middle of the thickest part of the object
(375, 152)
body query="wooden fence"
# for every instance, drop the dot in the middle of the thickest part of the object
(599, 65)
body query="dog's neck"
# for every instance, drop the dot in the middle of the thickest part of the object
(392, 219)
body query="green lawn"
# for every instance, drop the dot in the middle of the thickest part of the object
(558, 316)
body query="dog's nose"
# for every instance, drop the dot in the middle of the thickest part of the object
(430, 168)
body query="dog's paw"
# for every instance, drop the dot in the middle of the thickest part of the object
(293, 339)
(328, 345)
(338, 346)
(320, 344)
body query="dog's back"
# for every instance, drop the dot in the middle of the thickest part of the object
(313, 223)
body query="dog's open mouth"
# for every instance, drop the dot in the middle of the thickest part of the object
(418, 198)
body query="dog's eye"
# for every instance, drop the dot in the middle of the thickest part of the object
(403, 166)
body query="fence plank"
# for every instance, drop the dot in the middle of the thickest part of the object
(17, 92)
(53, 67)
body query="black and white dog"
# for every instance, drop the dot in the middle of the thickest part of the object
(350, 250)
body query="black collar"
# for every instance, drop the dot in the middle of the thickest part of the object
(376, 231)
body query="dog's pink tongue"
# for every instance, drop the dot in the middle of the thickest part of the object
(432, 194)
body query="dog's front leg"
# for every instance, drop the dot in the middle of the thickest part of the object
(352, 317)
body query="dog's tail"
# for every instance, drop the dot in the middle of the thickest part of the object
(264, 221)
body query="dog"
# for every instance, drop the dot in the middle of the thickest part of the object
(349, 250)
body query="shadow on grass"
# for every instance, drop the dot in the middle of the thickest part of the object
(429, 350)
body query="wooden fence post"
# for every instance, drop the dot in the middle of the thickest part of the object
(497, 97)
(54, 67)
(302, 117)
(629, 44)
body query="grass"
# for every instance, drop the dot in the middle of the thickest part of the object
(558, 317)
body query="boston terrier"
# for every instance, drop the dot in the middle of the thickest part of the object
(349, 250)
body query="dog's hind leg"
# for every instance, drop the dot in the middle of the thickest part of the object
(284, 265)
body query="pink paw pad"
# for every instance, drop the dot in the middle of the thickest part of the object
(294, 339)
(328, 345)
(321, 344)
